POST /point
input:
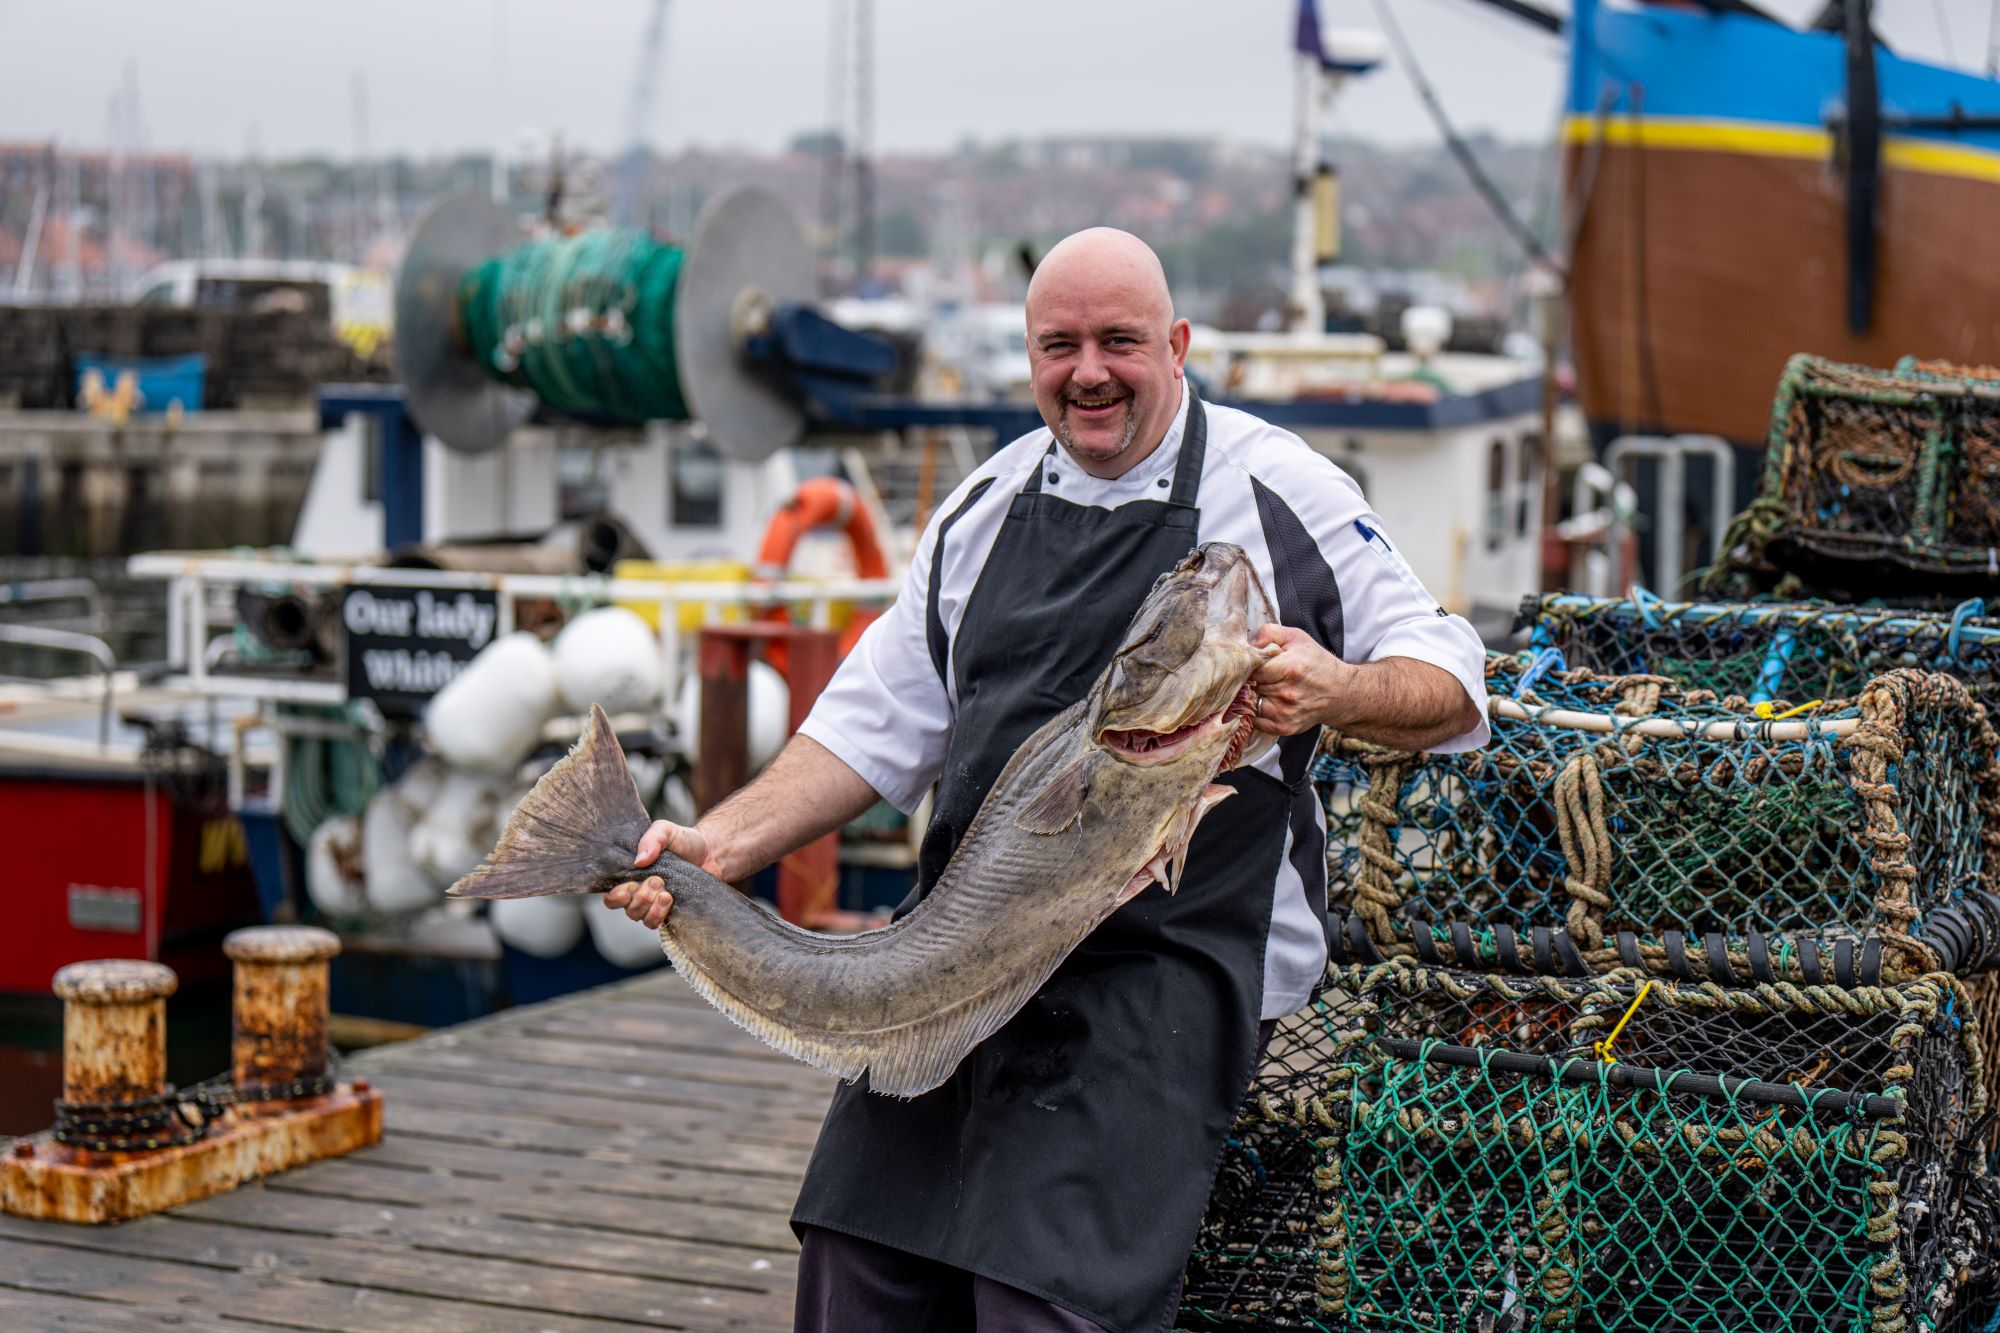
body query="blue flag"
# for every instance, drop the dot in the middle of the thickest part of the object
(1307, 41)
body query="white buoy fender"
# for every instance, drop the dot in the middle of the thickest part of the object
(454, 832)
(619, 938)
(394, 882)
(491, 715)
(333, 869)
(770, 714)
(545, 927)
(609, 657)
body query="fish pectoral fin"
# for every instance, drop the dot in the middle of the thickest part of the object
(1153, 872)
(1060, 803)
(1176, 853)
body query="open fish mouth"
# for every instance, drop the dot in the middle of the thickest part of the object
(1146, 748)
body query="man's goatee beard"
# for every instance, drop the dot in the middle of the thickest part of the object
(1063, 433)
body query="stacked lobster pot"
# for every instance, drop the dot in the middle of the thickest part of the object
(1877, 484)
(1670, 1008)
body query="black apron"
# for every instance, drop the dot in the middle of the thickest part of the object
(1071, 1153)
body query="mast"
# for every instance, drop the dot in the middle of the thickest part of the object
(1308, 302)
(1322, 64)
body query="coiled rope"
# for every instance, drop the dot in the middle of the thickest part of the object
(585, 322)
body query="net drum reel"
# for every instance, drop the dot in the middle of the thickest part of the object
(615, 328)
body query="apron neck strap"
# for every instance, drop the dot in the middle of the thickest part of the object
(1194, 448)
(1187, 468)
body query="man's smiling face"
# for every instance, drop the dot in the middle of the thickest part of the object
(1105, 349)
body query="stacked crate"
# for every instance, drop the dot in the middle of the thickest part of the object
(1877, 483)
(1670, 1008)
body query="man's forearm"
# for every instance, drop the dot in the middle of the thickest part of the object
(804, 793)
(1401, 703)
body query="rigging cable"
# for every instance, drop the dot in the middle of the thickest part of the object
(1488, 191)
(1944, 31)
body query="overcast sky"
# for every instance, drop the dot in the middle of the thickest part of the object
(445, 75)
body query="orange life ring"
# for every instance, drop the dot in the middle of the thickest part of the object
(821, 502)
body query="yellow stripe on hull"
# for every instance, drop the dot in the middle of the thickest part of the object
(1786, 141)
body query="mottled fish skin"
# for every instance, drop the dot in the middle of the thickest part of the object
(1088, 812)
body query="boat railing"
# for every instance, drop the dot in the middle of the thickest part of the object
(192, 612)
(69, 641)
(30, 592)
(1672, 452)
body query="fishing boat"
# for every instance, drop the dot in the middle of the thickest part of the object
(1740, 191)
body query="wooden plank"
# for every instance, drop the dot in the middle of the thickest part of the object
(604, 1114)
(48, 1276)
(655, 1300)
(788, 1076)
(779, 1161)
(460, 1228)
(693, 1182)
(660, 1090)
(764, 1228)
(42, 1310)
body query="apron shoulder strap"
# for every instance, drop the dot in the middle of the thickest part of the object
(1194, 451)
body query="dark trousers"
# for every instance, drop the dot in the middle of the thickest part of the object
(850, 1285)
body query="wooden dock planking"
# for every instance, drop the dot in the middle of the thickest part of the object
(623, 1157)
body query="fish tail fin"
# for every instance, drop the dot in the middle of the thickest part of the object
(565, 835)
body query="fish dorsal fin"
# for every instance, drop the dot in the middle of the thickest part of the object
(1059, 804)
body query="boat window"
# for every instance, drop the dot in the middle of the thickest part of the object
(696, 485)
(1496, 495)
(160, 293)
(1530, 463)
(583, 481)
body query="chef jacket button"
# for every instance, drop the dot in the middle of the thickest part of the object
(1053, 479)
(1162, 483)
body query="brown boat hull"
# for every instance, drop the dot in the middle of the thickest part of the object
(1698, 273)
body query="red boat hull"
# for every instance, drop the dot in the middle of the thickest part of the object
(108, 866)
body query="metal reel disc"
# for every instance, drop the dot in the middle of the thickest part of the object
(747, 256)
(446, 391)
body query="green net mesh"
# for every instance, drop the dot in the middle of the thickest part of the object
(1427, 1149)
(1629, 821)
(1764, 650)
(585, 321)
(1874, 480)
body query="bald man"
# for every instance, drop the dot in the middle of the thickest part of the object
(1057, 1180)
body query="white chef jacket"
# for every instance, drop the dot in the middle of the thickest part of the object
(888, 713)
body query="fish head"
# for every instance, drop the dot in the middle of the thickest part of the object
(1178, 689)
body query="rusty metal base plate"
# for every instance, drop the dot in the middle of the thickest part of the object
(44, 1179)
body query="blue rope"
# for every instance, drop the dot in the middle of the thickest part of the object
(1964, 611)
(1771, 675)
(1543, 661)
(1648, 605)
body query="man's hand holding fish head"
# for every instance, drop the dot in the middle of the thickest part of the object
(1301, 685)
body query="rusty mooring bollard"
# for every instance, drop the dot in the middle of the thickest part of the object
(125, 1145)
(278, 1023)
(114, 1030)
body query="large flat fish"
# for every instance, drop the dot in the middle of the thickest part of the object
(1094, 807)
